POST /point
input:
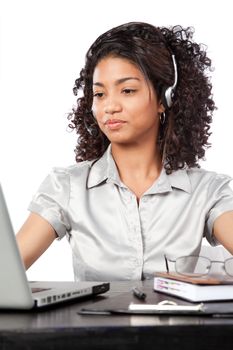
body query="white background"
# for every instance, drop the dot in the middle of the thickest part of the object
(42, 45)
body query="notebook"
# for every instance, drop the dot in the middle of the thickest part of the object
(16, 292)
(195, 288)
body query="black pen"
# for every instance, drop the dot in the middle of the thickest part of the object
(138, 293)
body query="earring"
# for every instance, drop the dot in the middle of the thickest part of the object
(162, 118)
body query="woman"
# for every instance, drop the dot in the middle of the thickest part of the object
(136, 192)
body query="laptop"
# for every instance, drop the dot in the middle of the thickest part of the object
(16, 292)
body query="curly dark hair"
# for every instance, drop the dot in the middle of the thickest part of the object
(183, 138)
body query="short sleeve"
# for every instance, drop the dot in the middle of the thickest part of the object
(51, 200)
(220, 199)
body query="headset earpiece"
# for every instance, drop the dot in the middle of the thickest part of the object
(167, 93)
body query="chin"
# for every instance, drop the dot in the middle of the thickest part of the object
(123, 141)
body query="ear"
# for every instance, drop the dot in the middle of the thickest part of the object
(161, 108)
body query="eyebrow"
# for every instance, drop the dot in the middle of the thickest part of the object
(118, 81)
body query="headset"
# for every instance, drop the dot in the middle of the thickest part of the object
(168, 93)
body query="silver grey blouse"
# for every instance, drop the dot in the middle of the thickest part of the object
(114, 238)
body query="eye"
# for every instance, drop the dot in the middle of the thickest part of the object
(129, 91)
(98, 94)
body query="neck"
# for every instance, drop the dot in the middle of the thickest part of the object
(138, 167)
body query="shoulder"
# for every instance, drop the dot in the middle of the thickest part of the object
(60, 177)
(211, 179)
(75, 170)
(200, 173)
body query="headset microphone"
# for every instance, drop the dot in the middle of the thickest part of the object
(169, 92)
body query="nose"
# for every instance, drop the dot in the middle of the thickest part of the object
(112, 105)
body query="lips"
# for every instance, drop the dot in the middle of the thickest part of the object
(114, 124)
